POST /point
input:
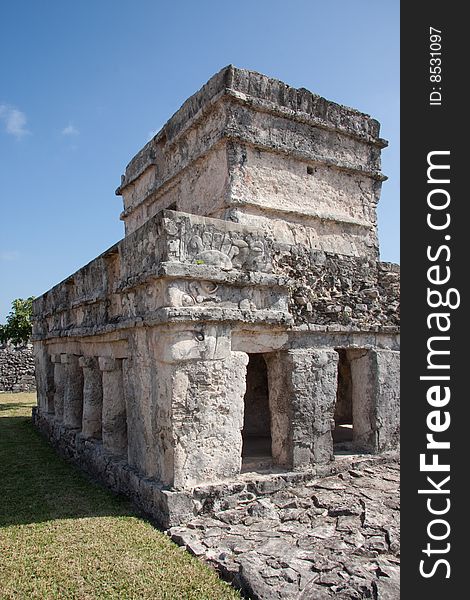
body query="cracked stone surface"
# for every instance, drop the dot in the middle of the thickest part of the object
(244, 317)
(333, 537)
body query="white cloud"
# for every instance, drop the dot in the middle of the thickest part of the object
(9, 255)
(70, 130)
(14, 121)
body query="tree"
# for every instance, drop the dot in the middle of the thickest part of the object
(18, 326)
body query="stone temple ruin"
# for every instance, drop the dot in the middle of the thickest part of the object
(244, 325)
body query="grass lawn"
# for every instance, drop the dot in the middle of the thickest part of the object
(62, 536)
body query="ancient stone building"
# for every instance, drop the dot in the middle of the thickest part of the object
(244, 323)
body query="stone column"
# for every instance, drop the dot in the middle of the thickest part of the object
(73, 397)
(302, 396)
(375, 378)
(92, 397)
(194, 387)
(50, 386)
(207, 419)
(59, 385)
(114, 406)
(44, 370)
(388, 400)
(280, 408)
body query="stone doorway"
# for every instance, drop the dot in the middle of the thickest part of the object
(343, 433)
(256, 432)
(354, 417)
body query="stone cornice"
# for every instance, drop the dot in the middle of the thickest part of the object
(261, 94)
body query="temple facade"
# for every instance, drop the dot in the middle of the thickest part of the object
(244, 324)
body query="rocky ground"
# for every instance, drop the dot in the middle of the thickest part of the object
(332, 537)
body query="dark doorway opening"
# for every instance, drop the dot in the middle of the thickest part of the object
(343, 432)
(256, 433)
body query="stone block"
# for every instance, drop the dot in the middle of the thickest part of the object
(248, 271)
(207, 411)
(92, 398)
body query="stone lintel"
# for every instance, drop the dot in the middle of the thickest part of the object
(107, 363)
(177, 315)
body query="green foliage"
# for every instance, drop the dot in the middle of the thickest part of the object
(18, 326)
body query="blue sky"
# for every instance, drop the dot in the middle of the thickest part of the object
(83, 84)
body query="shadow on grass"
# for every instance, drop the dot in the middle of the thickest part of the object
(37, 485)
(11, 406)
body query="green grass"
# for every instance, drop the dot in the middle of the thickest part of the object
(62, 536)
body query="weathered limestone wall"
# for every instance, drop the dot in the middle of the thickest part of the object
(251, 149)
(16, 369)
(269, 257)
(193, 263)
(175, 308)
(333, 288)
(189, 263)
